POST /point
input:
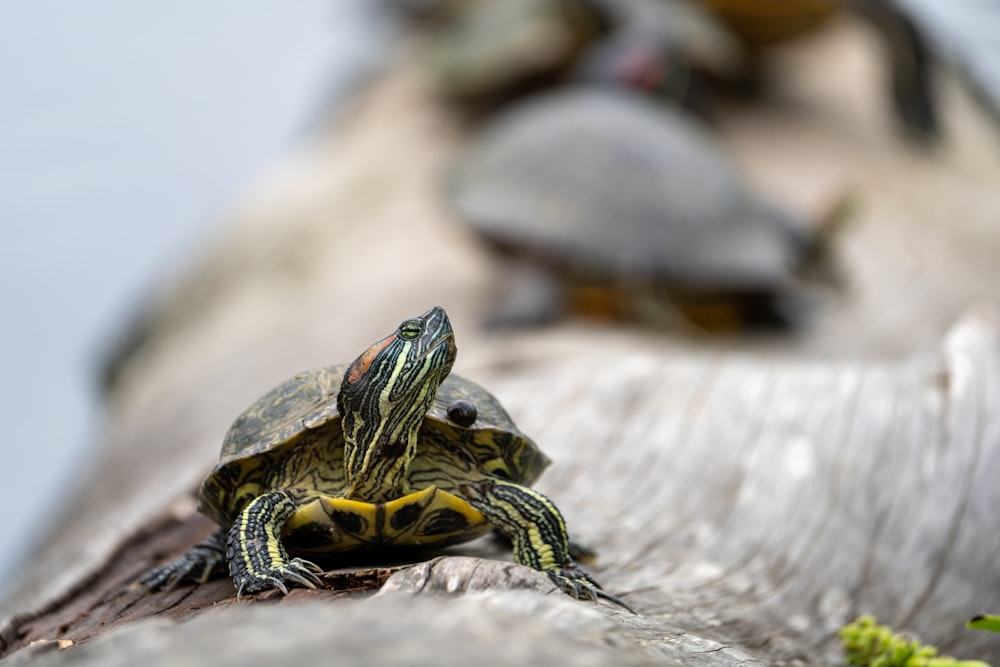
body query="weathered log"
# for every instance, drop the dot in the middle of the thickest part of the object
(736, 503)
(744, 504)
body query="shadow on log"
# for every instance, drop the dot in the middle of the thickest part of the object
(746, 509)
(745, 506)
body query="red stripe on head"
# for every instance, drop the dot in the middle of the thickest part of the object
(364, 362)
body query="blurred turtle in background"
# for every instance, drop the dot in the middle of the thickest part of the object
(761, 23)
(605, 202)
(483, 53)
(670, 48)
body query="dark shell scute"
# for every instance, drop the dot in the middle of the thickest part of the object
(281, 432)
(293, 405)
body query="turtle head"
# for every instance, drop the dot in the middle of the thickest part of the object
(383, 398)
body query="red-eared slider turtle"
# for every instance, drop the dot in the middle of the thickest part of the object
(602, 189)
(389, 450)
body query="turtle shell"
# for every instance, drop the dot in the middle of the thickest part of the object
(763, 22)
(489, 50)
(291, 438)
(611, 185)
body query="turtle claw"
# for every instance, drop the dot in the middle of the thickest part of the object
(297, 571)
(578, 584)
(164, 578)
(168, 577)
(303, 572)
(616, 600)
(310, 566)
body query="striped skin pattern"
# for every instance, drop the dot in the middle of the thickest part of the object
(382, 403)
(538, 531)
(365, 456)
(257, 560)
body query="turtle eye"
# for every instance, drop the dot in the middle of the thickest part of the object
(463, 413)
(410, 329)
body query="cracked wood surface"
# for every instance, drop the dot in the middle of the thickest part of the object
(744, 503)
(747, 504)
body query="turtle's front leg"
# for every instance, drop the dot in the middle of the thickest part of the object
(537, 529)
(257, 560)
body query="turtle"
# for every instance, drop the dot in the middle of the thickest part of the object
(483, 54)
(389, 451)
(671, 49)
(759, 24)
(605, 198)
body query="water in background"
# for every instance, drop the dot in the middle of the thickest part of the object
(124, 129)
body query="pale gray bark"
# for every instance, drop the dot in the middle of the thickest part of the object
(745, 509)
(746, 504)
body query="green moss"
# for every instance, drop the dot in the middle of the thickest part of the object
(867, 644)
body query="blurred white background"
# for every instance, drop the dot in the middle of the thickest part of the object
(124, 130)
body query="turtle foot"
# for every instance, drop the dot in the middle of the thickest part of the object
(578, 584)
(257, 560)
(206, 560)
(296, 572)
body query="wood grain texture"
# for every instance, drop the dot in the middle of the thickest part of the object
(745, 503)
(793, 495)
